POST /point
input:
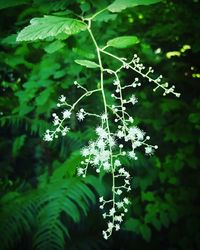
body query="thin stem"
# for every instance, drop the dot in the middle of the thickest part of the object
(96, 14)
(105, 108)
(88, 93)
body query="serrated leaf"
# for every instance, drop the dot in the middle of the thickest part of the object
(119, 5)
(53, 47)
(87, 63)
(50, 26)
(123, 41)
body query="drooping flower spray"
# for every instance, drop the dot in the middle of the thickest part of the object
(112, 143)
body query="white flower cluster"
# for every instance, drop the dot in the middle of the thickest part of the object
(107, 151)
(66, 114)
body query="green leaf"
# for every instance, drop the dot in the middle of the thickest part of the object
(53, 47)
(18, 144)
(84, 52)
(132, 225)
(148, 196)
(50, 26)
(87, 63)
(145, 231)
(105, 16)
(119, 5)
(51, 5)
(43, 97)
(123, 41)
(164, 219)
(68, 168)
(12, 3)
(156, 223)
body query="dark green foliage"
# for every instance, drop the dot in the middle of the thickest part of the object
(44, 205)
(47, 210)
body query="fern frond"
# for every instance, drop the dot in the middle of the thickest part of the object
(49, 210)
(71, 197)
(16, 219)
(34, 126)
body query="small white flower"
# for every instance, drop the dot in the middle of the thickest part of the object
(119, 204)
(62, 98)
(101, 144)
(133, 99)
(127, 182)
(66, 114)
(111, 141)
(119, 191)
(136, 133)
(104, 155)
(116, 82)
(127, 175)
(136, 144)
(48, 137)
(80, 171)
(118, 218)
(110, 226)
(104, 215)
(112, 211)
(131, 120)
(105, 235)
(96, 160)
(104, 117)
(65, 130)
(120, 134)
(117, 227)
(132, 155)
(117, 163)
(80, 116)
(56, 122)
(106, 166)
(101, 132)
(101, 199)
(126, 201)
(149, 150)
(85, 152)
(121, 170)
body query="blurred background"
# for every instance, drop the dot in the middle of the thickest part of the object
(43, 204)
